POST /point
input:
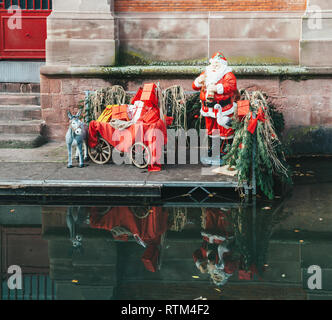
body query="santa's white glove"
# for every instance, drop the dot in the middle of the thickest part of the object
(212, 88)
(199, 81)
(225, 122)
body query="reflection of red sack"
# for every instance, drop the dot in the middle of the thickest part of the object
(245, 275)
(248, 275)
(150, 258)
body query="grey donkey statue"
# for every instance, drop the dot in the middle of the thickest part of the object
(77, 134)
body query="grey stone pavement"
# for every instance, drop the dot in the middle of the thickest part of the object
(48, 163)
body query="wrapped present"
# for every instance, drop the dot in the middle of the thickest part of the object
(119, 112)
(243, 108)
(106, 115)
(149, 95)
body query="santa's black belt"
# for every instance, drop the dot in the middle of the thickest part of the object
(223, 103)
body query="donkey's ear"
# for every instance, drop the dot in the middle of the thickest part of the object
(70, 116)
(78, 113)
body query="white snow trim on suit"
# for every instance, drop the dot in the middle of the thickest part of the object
(212, 237)
(197, 84)
(220, 113)
(209, 113)
(221, 250)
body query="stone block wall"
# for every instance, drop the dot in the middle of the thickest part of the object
(208, 5)
(304, 103)
(245, 38)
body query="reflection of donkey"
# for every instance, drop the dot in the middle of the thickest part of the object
(77, 133)
(76, 217)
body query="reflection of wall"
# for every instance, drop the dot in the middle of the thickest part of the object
(311, 207)
(93, 271)
(25, 248)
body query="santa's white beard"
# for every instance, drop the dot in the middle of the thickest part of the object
(214, 75)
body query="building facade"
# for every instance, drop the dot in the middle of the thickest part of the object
(281, 47)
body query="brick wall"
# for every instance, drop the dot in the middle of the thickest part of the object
(208, 5)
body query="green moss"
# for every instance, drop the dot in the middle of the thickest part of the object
(266, 60)
(133, 58)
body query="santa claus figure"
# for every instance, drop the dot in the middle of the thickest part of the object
(218, 90)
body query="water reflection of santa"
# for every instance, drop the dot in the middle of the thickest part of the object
(215, 256)
(146, 225)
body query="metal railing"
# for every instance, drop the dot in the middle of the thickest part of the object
(29, 4)
(34, 287)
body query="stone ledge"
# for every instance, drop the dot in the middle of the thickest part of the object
(180, 71)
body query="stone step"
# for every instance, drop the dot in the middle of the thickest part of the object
(21, 141)
(21, 127)
(16, 87)
(7, 98)
(20, 112)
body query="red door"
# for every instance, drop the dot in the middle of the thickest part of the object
(23, 28)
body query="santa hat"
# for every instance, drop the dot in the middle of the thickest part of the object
(219, 57)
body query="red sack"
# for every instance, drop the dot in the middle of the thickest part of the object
(137, 96)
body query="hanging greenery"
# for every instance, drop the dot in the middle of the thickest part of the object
(174, 103)
(269, 158)
(97, 101)
(193, 107)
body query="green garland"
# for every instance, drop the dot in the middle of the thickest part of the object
(193, 106)
(270, 163)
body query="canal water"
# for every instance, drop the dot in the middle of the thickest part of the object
(278, 249)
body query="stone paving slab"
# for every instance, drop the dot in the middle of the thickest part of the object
(46, 167)
(49, 163)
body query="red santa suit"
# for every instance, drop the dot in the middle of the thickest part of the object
(216, 117)
(146, 231)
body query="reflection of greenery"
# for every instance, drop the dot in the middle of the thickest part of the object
(252, 236)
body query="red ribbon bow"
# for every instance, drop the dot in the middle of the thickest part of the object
(253, 122)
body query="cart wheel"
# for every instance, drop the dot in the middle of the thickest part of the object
(101, 153)
(140, 155)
